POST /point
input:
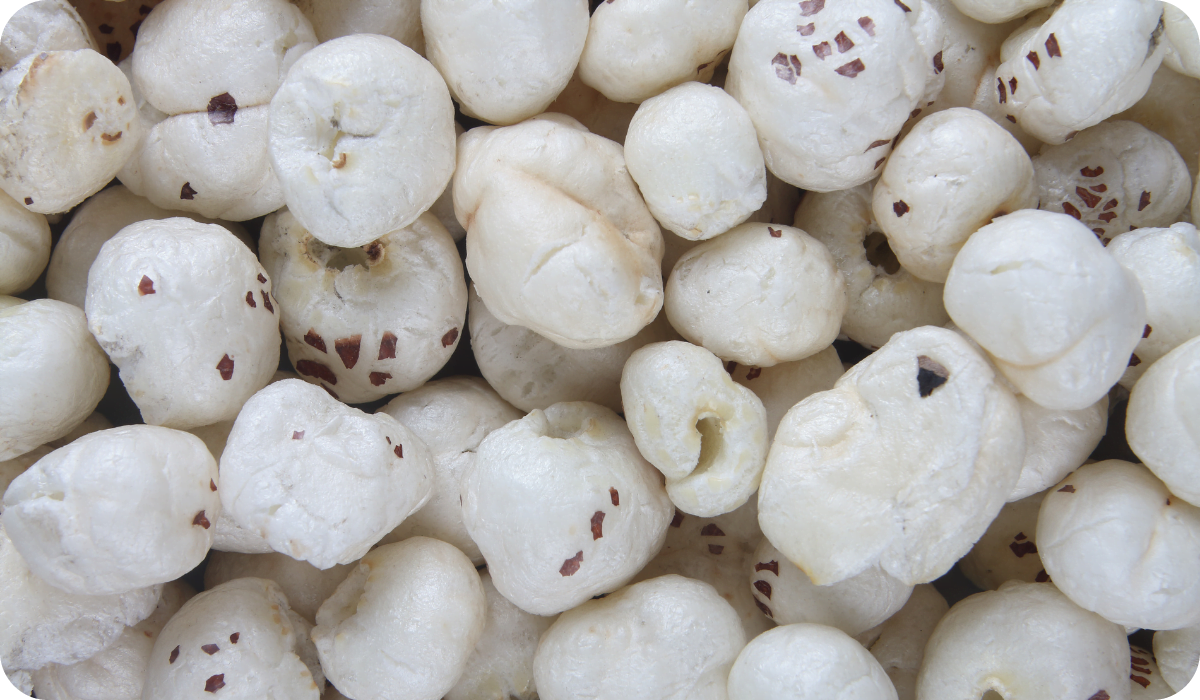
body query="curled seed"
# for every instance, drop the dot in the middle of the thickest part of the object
(1069, 208)
(1139, 680)
(877, 144)
(340, 162)
(1001, 89)
(938, 66)
(902, 6)
(88, 120)
(1011, 118)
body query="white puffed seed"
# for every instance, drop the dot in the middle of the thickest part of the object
(1116, 542)
(1166, 262)
(409, 616)
(1182, 52)
(304, 585)
(98, 219)
(636, 50)
(882, 298)
(717, 551)
(1026, 640)
(43, 25)
(505, 61)
(807, 662)
(451, 416)
(846, 487)
(1057, 314)
(400, 20)
(694, 155)
(320, 480)
(1008, 550)
(704, 432)
(118, 672)
(899, 643)
(1084, 63)
(558, 237)
(502, 663)
(184, 310)
(361, 135)
(53, 373)
(828, 86)
(1161, 422)
(67, 124)
(563, 507)
(240, 640)
(952, 174)
(40, 625)
(531, 371)
(670, 637)
(998, 11)
(116, 510)
(788, 383)
(371, 321)
(1177, 653)
(1169, 109)
(1056, 442)
(214, 164)
(189, 53)
(758, 295)
(854, 605)
(12, 468)
(24, 245)
(1114, 177)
